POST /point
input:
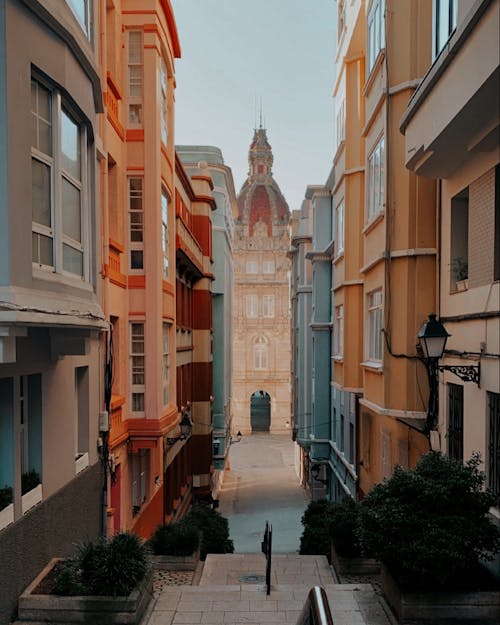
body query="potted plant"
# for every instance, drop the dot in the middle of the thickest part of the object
(6, 506)
(346, 555)
(317, 519)
(430, 528)
(176, 546)
(106, 582)
(214, 530)
(460, 267)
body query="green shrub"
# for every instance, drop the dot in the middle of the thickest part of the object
(343, 527)
(105, 567)
(317, 519)
(6, 497)
(175, 539)
(429, 525)
(29, 481)
(214, 529)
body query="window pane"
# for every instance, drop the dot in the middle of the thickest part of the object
(135, 113)
(42, 249)
(136, 227)
(72, 260)
(136, 259)
(138, 402)
(135, 81)
(135, 46)
(41, 133)
(40, 193)
(70, 146)
(71, 211)
(79, 8)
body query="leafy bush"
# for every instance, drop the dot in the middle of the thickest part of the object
(6, 497)
(343, 527)
(104, 567)
(214, 529)
(429, 525)
(317, 520)
(175, 539)
(29, 481)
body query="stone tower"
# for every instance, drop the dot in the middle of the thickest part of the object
(261, 322)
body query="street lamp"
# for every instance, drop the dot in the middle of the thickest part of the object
(432, 338)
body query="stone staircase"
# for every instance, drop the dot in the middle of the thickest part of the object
(232, 590)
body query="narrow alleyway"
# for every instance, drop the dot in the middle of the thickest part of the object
(261, 485)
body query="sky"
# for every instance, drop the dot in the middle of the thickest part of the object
(239, 53)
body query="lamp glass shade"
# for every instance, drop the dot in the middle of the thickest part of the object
(433, 336)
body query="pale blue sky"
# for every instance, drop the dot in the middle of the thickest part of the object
(236, 52)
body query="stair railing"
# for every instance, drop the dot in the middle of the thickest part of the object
(267, 548)
(316, 610)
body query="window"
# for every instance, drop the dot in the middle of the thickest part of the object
(459, 266)
(338, 331)
(339, 225)
(260, 353)
(375, 325)
(82, 416)
(58, 184)
(136, 223)
(252, 302)
(340, 18)
(268, 305)
(135, 77)
(164, 231)
(496, 253)
(385, 447)
(268, 266)
(376, 181)
(444, 23)
(342, 432)
(164, 102)
(376, 31)
(351, 443)
(456, 421)
(137, 365)
(252, 266)
(81, 9)
(341, 123)
(166, 362)
(494, 445)
(140, 462)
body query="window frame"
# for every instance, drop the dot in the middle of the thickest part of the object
(374, 315)
(260, 354)
(166, 327)
(165, 248)
(86, 25)
(137, 388)
(251, 306)
(268, 267)
(438, 40)
(375, 30)
(338, 331)
(340, 227)
(163, 102)
(135, 246)
(376, 187)
(135, 100)
(268, 303)
(252, 266)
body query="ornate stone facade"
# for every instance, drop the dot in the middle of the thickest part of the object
(261, 317)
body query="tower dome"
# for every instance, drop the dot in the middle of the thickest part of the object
(260, 198)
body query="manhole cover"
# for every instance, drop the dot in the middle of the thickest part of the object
(252, 579)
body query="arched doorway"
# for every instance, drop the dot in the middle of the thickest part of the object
(260, 411)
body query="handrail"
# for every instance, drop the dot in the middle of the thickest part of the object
(316, 610)
(267, 547)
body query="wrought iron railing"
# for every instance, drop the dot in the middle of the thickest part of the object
(316, 610)
(267, 548)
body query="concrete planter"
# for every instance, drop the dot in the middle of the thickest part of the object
(440, 608)
(355, 565)
(176, 563)
(6, 516)
(92, 610)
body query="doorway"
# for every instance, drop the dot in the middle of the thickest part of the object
(260, 411)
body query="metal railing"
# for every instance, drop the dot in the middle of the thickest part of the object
(316, 610)
(267, 548)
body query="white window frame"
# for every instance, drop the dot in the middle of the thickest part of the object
(338, 331)
(135, 227)
(140, 471)
(268, 266)
(135, 100)
(252, 266)
(374, 305)
(446, 9)
(164, 232)
(166, 362)
(340, 119)
(252, 305)
(57, 174)
(163, 102)
(136, 369)
(376, 180)
(339, 226)
(260, 354)
(82, 11)
(268, 306)
(376, 31)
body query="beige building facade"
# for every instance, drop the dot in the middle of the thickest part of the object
(261, 310)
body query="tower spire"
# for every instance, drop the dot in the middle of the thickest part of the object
(260, 116)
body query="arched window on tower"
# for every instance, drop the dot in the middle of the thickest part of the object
(260, 353)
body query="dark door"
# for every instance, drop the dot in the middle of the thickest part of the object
(260, 412)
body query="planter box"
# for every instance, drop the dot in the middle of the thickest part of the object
(92, 610)
(355, 565)
(7, 516)
(31, 498)
(176, 563)
(440, 608)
